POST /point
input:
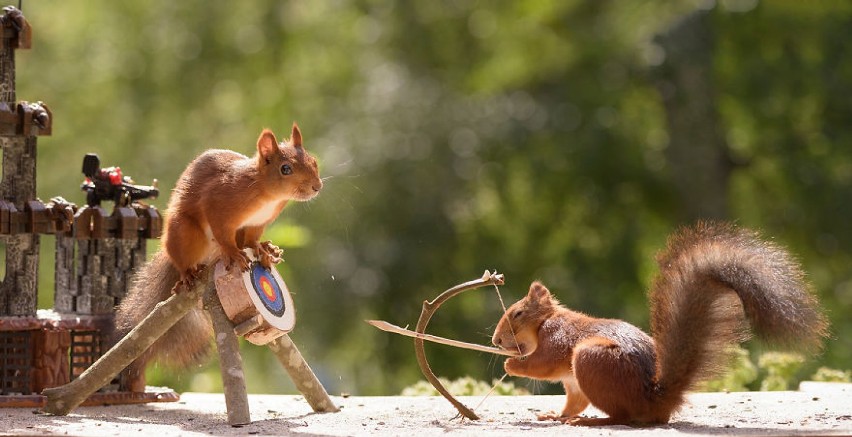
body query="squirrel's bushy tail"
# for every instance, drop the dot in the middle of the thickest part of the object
(186, 342)
(713, 279)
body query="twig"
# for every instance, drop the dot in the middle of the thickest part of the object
(61, 400)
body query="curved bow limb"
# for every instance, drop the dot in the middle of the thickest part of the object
(429, 309)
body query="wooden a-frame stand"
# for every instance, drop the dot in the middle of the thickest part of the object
(61, 400)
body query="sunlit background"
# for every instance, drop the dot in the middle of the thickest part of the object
(555, 140)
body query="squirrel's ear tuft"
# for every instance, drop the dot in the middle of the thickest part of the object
(296, 136)
(267, 145)
(538, 291)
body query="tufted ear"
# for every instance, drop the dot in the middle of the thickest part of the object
(267, 145)
(296, 136)
(538, 291)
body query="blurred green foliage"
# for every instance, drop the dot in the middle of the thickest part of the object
(524, 136)
(774, 371)
(825, 374)
(465, 386)
(780, 368)
(738, 377)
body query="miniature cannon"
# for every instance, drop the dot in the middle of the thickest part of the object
(110, 184)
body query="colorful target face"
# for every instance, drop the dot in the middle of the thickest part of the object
(267, 289)
(270, 296)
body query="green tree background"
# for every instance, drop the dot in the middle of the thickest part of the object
(554, 140)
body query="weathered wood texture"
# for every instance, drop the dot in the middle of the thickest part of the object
(230, 361)
(302, 375)
(61, 400)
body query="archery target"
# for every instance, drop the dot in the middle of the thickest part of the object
(270, 295)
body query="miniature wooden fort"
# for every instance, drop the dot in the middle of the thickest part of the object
(96, 253)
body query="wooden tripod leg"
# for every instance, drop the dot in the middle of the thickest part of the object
(61, 400)
(302, 375)
(230, 361)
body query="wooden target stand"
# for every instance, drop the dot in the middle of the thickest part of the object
(255, 304)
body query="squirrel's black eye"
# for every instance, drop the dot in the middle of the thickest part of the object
(286, 169)
(517, 314)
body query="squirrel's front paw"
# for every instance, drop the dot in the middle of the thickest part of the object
(188, 279)
(236, 258)
(268, 254)
(514, 366)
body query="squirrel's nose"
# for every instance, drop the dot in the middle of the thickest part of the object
(497, 341)
(317, 186)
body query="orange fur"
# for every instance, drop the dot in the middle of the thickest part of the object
(221, 204)
(713, 278)
(224, 200)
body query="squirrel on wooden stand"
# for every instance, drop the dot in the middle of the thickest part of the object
(221, 204)
(713, 278)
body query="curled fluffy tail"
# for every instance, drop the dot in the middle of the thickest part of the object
(713, 278)
(185, 343)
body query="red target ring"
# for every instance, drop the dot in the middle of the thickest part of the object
(266, 288)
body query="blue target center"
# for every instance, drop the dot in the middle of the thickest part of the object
(266, 287)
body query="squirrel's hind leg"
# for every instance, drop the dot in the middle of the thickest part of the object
(612, 380)
(187, 253)
(576, 401)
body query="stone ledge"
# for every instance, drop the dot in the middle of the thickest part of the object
(819, 409)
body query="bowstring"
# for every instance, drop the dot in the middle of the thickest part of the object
(512, 330)
(493, 387)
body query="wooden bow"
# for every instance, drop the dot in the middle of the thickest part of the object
(420, 335)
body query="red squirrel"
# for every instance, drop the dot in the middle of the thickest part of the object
(221, 204)
(713, 278)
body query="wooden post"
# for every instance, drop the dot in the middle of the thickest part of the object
(61, 400)
(230, 361)
(302, 375)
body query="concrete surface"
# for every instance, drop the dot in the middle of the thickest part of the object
(819, 409)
